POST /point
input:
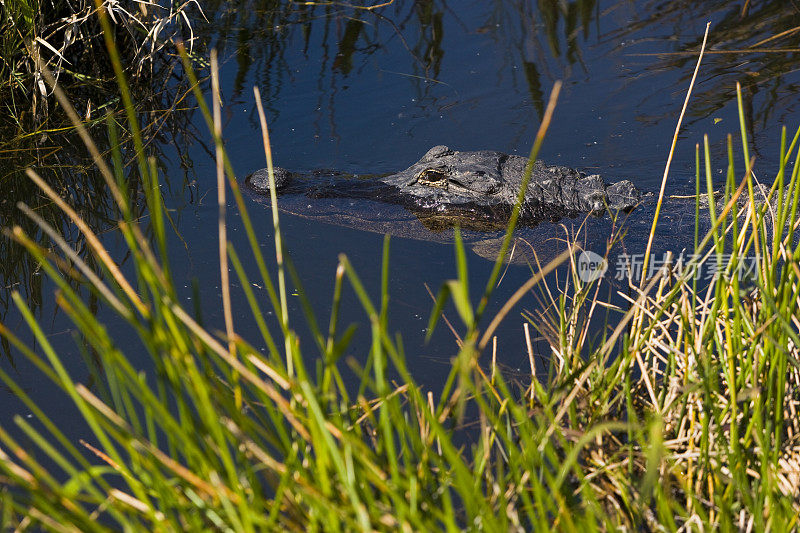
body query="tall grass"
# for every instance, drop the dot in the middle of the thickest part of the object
(34, 131)
(683, 415)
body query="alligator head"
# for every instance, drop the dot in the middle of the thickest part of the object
(444, 177)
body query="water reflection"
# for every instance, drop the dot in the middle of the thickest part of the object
(752, 43)
(55, 152)
(262, 32)
(547, 39)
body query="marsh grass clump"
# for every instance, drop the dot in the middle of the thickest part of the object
(682, 415)
(66, 36)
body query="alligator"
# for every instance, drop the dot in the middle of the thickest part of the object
(476, 190)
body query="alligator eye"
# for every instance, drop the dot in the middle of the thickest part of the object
(433, 177)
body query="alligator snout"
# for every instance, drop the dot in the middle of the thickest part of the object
(259, 180)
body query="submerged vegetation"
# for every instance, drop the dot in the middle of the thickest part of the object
(682, 414)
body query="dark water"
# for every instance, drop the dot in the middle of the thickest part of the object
(365, 91)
